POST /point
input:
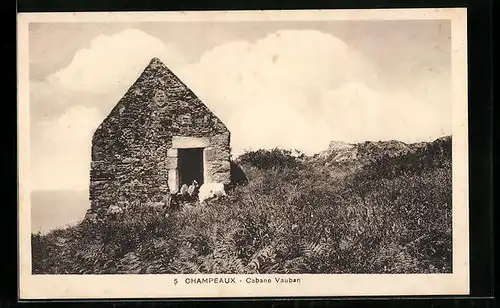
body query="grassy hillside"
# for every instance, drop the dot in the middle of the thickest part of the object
(392, 215)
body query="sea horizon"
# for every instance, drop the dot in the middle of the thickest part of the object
(57, 208)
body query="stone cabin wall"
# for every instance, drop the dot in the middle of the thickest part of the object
(133, 153)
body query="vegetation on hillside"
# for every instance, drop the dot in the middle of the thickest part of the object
(391, 216)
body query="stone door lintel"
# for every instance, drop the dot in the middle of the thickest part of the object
(189, 142)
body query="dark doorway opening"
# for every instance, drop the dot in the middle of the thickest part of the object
(190, 166)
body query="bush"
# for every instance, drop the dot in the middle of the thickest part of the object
(268, 159)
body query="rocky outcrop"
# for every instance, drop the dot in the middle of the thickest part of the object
(132, 155)
(341, 153)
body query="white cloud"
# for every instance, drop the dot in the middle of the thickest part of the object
(73, 127)
(71, 103)
(48, 100)
(302, 89)
(61, 154)
(358, 113)
(114, 62)
(292, 89)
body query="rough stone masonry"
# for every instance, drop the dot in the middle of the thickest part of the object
(137, 149)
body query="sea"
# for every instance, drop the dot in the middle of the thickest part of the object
(56, 209)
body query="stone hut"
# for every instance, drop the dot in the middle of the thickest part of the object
(158, 137)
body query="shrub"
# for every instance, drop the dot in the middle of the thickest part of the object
(269, 159)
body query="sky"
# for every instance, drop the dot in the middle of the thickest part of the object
(296, 85)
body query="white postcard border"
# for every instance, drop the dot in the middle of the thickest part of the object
(162, 286)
